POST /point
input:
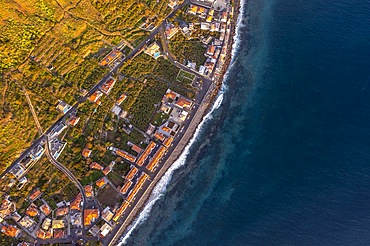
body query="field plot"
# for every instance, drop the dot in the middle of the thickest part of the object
(185, 78)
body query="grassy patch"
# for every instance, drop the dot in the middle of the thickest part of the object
(159, 118)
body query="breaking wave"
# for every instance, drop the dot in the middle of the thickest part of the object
(162, 184)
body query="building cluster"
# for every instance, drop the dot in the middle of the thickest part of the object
(213, 21)
(177, 107)
(103, 89)
(153, 50)
(112, 58)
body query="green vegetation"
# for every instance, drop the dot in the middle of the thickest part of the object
(148, 100)
(184, 49)
(159, 118)
(185, 78)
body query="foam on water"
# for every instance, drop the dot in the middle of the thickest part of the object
(161, 186)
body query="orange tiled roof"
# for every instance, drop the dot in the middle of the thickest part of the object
(73, 120)
(101, 182)
(35, 195)
(136, 148)
(121, 99)
(131, 173)
(193, 9)
(95, 165)
(108, 85)
(159, 136)
(168, 142)
(86, 153)
(43, 234)
(90, 216)
(155, 160)
(166, 129)
(10, 231)
(146, 153)
(62, 211)
(125, 187)
(95, 97)
(45, 209)
(137, 187)
(120, 211)
(126, 155)
(32, 210)
(171, 95)
(182, 102)
(59, 233)
(76, 204)
(88, 190)
(113, 55)
(107, 170)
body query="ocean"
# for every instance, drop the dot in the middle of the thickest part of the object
(284, 156)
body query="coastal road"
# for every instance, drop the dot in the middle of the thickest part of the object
(70, 175)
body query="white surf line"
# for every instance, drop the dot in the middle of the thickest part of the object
(162, 184)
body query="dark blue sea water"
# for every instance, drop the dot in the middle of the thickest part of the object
(286, 158)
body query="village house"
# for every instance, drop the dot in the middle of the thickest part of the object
(150, 129)
(156, 158)
(153, 50)
(95, 97)
(125, 155)
(184, 103)
(94, 230)
(76, 219)
(58, 224)
(121, 99)
(59, 234)
(126, 187)
(63, 107)
(193, 9)
(44, 234)
(35, 154)
(133, 171)
(89, 191)
(101, 182)
(107, 215)
(32, 210)
(132, 195)
(62, 211)
(16, 216)
(76, 203)
(159, 136)
(46, 224)
(28, 223)
(170, 30)
(6, 208)
(57, 147)
(172, 3)
(34, 195)
(108, 85)
(57, 130)
(45, 209)
(111, 57)
(73, 120)
(10, 231)
(120, 211)
(146, 153)
(95, 165)
(90, 216)
(136, 148)
(86, 153)
(105, 229)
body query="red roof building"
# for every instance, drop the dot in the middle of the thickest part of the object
(86, 153)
